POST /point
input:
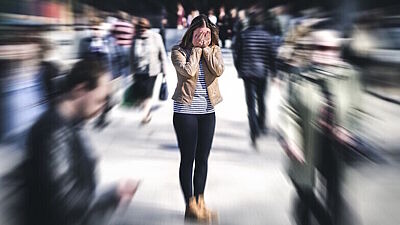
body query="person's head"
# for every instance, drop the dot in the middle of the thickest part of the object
(198, 24)
(256, 16)
(222, 10)
(87, 86)
(233, 12)
(180, 10)
(195, 13)
(124, 16)
(242, 14)
(164, 21)
(142, 25)
(96, 28)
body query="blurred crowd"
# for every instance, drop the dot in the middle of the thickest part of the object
(322, 66)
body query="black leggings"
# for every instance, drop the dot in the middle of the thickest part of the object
(195, 135)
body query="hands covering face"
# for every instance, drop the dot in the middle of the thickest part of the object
(202, 37)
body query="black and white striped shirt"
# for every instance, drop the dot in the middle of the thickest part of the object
(201, 102)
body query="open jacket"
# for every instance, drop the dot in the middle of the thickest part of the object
(186, 63)
(148, 54)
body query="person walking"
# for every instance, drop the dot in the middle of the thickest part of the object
(57, 175)
(223, 24)
(198, 64)
(149, 59)
(212, 17)
(254, 59)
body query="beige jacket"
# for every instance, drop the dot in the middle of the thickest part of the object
(186, 63)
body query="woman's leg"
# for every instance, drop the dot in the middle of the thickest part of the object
(206, 130)
(148, 101)
(147, 105)
(186, 126)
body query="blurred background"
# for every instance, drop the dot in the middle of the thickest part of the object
(345, 53)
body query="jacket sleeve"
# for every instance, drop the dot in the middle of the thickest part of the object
(213, 58)
(162, 54)
(236, 51)
(187, 68)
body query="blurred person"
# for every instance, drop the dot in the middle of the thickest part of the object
(102, 46)
(193, 14)
(23, 92)
(212, 17)
(254, 59)
(321, 119)
(272, 25)
(57, 176)
(118, 43)
(223, 23)
(241, 23)
(232, 19)
(198, 63)
(300, 138)
(49, 73)
(340, 116)
(134, 21)
(282, 14)
(184, 22)
(95, 45)
(164, 23)
(181, 16)
(122, 31)
(149, 59)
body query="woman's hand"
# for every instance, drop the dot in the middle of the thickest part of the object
(126, 189)
(206, 40)
(198, 39)
(201, 38)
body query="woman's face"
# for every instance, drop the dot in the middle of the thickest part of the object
(204, 29)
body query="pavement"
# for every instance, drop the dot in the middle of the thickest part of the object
(245, 186)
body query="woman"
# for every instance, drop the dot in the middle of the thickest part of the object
(198, 63)
(148, 60)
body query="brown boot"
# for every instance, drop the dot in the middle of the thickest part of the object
(191, 209)
(204, 211)
(193, 212)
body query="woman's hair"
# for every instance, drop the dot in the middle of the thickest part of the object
(197, 22)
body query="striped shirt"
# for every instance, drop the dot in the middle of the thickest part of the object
(201, 103)
(123, 33)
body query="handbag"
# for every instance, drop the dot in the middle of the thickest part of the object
(163, 90)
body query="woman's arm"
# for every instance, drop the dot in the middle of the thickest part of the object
(213, 58)
(162, 54)
(184, 67)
